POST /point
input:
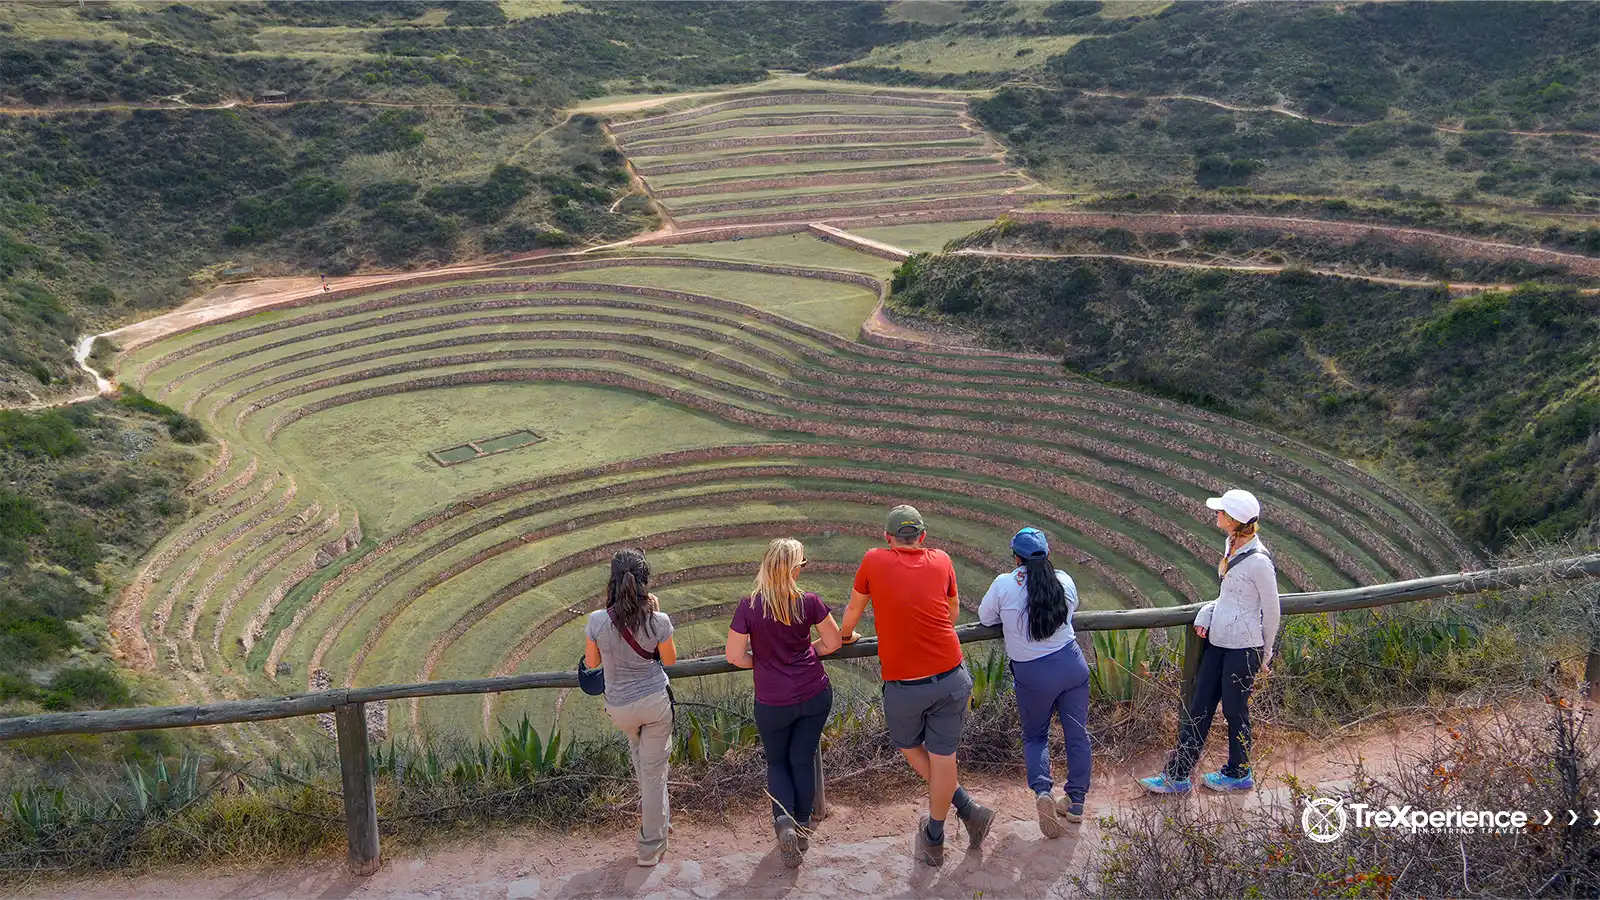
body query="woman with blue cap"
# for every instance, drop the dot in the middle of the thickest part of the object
(1034, 604)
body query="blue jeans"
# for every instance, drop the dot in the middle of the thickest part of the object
(1055, 685)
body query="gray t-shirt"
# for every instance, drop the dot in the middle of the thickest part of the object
(629, 676)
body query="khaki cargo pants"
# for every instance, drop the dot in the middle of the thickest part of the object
(647, 724)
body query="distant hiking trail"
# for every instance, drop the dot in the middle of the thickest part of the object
(1282, 110)
(863, 848)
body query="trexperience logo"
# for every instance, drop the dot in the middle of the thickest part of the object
(1325, 819)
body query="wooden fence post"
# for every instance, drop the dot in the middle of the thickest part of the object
(819, 810)
(1193, 646)
(360, 803)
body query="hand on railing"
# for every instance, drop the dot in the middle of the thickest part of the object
(851, 638)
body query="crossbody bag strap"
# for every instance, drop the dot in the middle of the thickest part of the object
(1234, 561)
(627, 635)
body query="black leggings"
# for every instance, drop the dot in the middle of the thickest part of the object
(789, 737)
(1226, 676)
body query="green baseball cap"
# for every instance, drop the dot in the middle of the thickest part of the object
(905, 521)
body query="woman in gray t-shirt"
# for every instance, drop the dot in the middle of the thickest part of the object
(636, 686)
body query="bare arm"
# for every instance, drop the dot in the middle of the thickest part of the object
(852, 616)
(591, 654)
(828, 637)
(668, 651)
(738, 651)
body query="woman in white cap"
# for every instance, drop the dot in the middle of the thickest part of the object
(1239, 628)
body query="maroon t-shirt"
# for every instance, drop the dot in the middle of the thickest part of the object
(787, 670)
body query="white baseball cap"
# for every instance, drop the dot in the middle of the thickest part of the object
(1241, 505)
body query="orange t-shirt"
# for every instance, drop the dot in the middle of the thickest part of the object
(911, 589)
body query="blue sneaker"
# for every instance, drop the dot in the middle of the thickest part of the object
(1223, 784)
(1161, 784)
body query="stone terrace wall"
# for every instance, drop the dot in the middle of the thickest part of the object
(909, 190)
(779, 120)
(884, 98)
(979, 205)
(639, 150)
(843, 426)
(829, 179)
(810, 156)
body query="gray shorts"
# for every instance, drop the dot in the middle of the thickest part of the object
(928, 715)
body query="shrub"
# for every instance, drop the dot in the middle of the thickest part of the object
(48, 434)
(79, 687)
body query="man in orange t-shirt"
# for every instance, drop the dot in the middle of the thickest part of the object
(926, 685)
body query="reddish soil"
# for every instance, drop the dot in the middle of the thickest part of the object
(862, 849)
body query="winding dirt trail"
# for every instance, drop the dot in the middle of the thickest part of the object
(863, 848)
(1455, 287)
(1282, 110)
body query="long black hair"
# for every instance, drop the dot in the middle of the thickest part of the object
(1047, 599)
(626, 593)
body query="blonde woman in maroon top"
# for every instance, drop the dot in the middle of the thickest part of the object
(771, 634)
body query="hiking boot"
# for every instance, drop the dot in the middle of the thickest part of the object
(1048, 825)
(803, 836)
(978, 819)
(651, 854)
(926, 850)
(788, 841)
(1070, 809)
(1161, 784)
(1224, 784)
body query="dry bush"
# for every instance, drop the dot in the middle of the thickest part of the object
(1546, 761)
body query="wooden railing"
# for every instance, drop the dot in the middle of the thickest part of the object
(349, 704)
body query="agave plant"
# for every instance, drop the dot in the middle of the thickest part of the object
(164, 788)
(988, 678)
(523, 756)
(37, 811)
(709, 735)
(1121, 671)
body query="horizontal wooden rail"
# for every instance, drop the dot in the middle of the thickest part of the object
(262, 709)
(349, 704)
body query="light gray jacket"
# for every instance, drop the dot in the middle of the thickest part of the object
(1246, 612)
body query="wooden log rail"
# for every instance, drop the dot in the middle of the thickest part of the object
(348, 704)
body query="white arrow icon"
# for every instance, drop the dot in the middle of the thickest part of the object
(1574, 819)
(1548, 817)
(1597, 817)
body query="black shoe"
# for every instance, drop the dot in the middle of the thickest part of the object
(788, 841)
(927, 851)
(803, 833)
(978, 819)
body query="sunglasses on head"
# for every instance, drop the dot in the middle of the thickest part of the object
(802, 564)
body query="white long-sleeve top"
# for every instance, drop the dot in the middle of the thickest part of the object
(1246, 611)
(1006, 604)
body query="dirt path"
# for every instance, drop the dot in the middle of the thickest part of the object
(861, 849)
(1285, 111)
(1455, 287)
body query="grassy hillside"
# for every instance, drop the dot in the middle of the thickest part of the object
(89, 490)
(1489, 400)
(1538, 64)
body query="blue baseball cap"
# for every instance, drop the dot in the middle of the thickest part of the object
(1030, 543)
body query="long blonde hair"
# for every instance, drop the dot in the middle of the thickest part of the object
(1241, 534)
(780, 596)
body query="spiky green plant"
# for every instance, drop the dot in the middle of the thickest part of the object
(988, 677)
(1121, 671)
